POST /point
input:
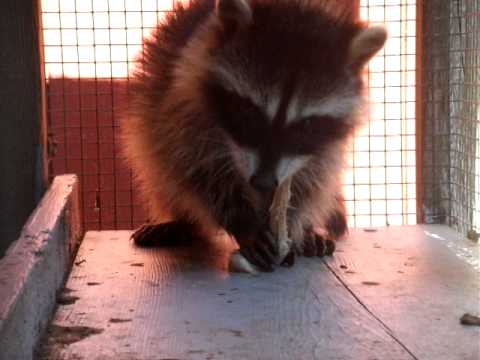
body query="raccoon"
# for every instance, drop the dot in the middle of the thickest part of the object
(234, 97)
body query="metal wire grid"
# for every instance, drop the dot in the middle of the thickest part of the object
(89, 49)
(452, 113)
(380, 188)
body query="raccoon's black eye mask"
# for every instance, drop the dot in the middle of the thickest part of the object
(238, 115)
(312, 133)
(248, 124)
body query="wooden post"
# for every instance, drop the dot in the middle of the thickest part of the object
(419, 111)
(22, 179)
(433, 121)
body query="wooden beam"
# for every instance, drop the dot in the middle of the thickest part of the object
(45, 145)
(22, 179)
(35, 267)
(419, 280)
(419, 112)
(389, 293)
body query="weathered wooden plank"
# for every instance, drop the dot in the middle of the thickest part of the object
(182, 304)
(419, 280)
(34, 269)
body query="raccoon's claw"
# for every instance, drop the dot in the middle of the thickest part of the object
(257, 259)
(262, 251)
(269, 242)
(330, 247)
(164, 234)
(317, 245)
(289, 260)
(142, 235)
(324, 246)
(310, 245)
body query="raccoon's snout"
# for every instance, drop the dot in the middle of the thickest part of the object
(264, 183)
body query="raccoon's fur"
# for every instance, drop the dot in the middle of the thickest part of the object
(233, 97)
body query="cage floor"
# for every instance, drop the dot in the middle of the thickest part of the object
(394, 293)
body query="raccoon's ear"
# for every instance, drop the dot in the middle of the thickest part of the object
(366, 44)
(233, 13)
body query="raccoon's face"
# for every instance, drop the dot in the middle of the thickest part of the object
(285, 83)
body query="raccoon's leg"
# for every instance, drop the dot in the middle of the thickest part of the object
(316, 244)
(249, 225)
(306, 241)
(255, 239)
(221, 194)
(233, 207)
(336, 224)
(176, 232)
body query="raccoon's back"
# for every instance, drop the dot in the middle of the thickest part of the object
(162, 49)
(156, 142)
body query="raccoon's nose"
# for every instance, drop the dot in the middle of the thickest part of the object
(264, 183)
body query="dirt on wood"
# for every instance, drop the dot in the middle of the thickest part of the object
(64, 299)
(66, 335)
(469, 319)
(59, 337)
(118, 320)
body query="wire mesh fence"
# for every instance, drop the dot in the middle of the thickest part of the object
(90, 47)
(451, 112)
(380, 187)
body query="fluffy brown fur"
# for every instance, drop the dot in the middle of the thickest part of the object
(228, 93)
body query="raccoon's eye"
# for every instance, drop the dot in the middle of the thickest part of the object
(308, 121)
(247, 119)
(314, 132)
(315, 123)
(307, 124)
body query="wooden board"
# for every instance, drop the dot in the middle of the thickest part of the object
(399, 297)
(419, 280)
(35, 268)
(181, 304)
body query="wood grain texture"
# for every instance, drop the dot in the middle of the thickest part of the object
(419, 280)
(397, 293)
(182, 304)
(35, 267)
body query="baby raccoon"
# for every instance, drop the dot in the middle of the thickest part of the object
(232, 98)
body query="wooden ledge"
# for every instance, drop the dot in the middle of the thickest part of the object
(389, 293)
(35, 268)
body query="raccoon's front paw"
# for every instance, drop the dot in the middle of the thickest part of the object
(164, 234)
(289, 260)
(316, 245)
(260, 250)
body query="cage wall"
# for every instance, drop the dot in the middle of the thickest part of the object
(380, 185)
(90, 48)
(451, 103)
